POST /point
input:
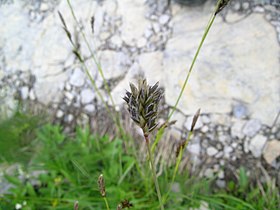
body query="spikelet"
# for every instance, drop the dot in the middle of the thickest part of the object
(143, 105)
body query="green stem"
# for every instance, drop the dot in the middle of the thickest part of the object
(92, 55)
(153, 171)
(106, 202)
(192, 65)
(178, 161)
(115, 118)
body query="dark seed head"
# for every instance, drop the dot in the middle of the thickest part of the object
(143, 104)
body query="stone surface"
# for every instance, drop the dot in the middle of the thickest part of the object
(252, 127)
(77, 78)
(194, 149)
(257, 144)
(211, 151)
(87, 96)
(217, 81)
(134, 15)
(271, 151)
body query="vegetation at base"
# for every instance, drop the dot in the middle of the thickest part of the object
(65, 169)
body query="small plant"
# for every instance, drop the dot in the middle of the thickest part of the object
(143, 108)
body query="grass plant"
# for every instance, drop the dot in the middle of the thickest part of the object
(69, 172)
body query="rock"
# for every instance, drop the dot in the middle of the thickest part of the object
(271, 151)
(205, 119)
(211, 151)
(240, 111)
(77, 78)
(24, 92)
(215, 82)
(59, 114)
(151, 65)
(205, 129)
(141, 42)
(69, 96)
(148, 33)
(257, 144)
(87, 96)
(209, 173)
(227, 151)
(163, 19)
(156, 27)
(44, 7)
(134, 21)
(114, 64)
(89, 108)
(221, 183)
(236, 128)
(252, 127)
(32, 95)
(116, 40)
(221, 174)
(194, 149)
(69, 118)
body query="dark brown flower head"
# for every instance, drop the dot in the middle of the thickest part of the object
(101, 185)
(221, 6)
(143, 104)
(126, 204)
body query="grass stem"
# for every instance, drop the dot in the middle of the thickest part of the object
(106, 202)
(153, 171)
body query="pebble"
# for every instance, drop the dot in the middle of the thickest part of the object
(256, 145)
(221, 183)
(163, 19)
(205, 119)
(240, 111)
(89, 108)
(205, 129)
(32, 95)
(209, 173)
(59, 114)
(69, 118)
(148, 33)
(44, 7)
(252, 127)
(69, 96)
(141, 42)
(211, 151)
(271, 151)
(156, 27)
(194, 149)
(77, 78)
(87, 96)
(24, 92)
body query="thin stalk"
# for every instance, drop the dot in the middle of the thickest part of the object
(92, 54)
(106, 202)
(117, 117)
(154, 171)
(192, 64)
(178, 161)
(207, 29)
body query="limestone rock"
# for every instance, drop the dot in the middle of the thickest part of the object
(211, 151)
(271, 151)
(235, 64)
(257, 144)
(252, 127)
(87, 96)
(134, 21)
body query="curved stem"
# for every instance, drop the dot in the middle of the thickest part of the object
(153, 171)
(106, 202)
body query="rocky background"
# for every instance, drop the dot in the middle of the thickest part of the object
(236, 80)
